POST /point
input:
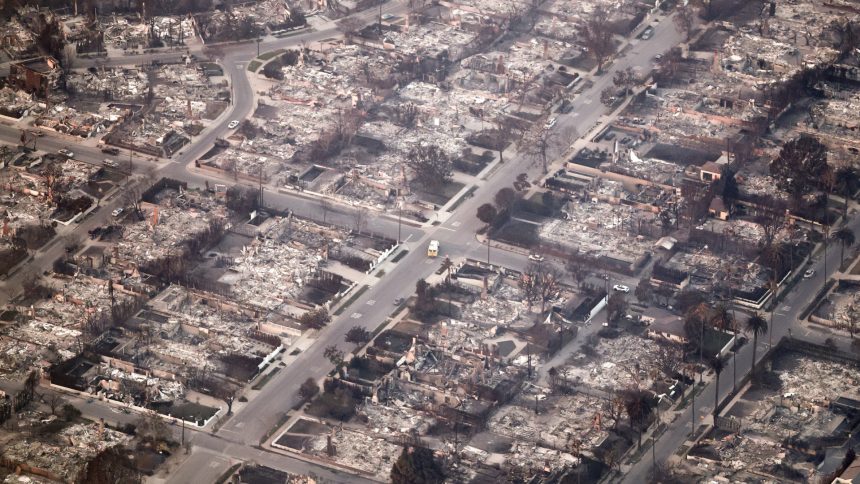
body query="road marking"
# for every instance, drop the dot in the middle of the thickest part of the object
(371, 302)
(407, 238)
(240, 65)
(428, 261)
(574, 114)
(587, 101)
(786, 308)
(355, 315)
(448, 229)
(456, 224)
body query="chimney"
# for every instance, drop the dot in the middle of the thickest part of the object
(329, 447)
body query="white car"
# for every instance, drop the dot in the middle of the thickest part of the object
(808, 274)
(551, 122)
(233, 124)
(117, 212)
(536, 257)
(620, 288)
(66, 153)
(110, 163)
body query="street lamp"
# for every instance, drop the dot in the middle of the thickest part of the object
(399, 219)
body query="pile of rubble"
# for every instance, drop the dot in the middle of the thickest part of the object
(621, 362)
(66, 455)
(597, 229)
(268, 274)
(120, 84)
(357, 450)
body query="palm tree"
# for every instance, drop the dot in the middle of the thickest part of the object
(757, 325)
(847, 181)
(724, 319)
(775, 257)
(846, 238)
(717, 365)
(696, 318)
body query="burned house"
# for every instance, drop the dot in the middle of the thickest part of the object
(41, 76)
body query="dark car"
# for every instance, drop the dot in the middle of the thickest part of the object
(110, 150)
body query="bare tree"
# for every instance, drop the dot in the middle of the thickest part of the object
(540, 282)
(359, 218)
(596, 35)
(432, 166)
(54, 402)
(150, 428)
(625, 78)
(227, 393)
(325, 207)
(771, 220)
(542, 142)
(350, 26)
(685, 20)
(504, 132)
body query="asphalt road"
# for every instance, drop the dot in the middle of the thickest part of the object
(243, 431)
(785, 318)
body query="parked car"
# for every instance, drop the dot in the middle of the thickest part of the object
(809, 273)
(620, 288)
(551, 122)
(536, 257)
(66, 153)
(233, 124)
(647, 33)
(110, 150)
(398, 301)
(110, 163)
(117, 212)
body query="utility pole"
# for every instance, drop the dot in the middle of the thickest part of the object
(130, 164)
(693, 420)
(262, 204)
(653, 451)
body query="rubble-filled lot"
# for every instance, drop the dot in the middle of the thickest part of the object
(785, 421)
(184, 100)
(166, 228)
(347, 447)
(619, 363)
(117, 84)
(707, 268)
(598, 230)
(290, 265)
(248, 20)
(562, 420)
(62, 455)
